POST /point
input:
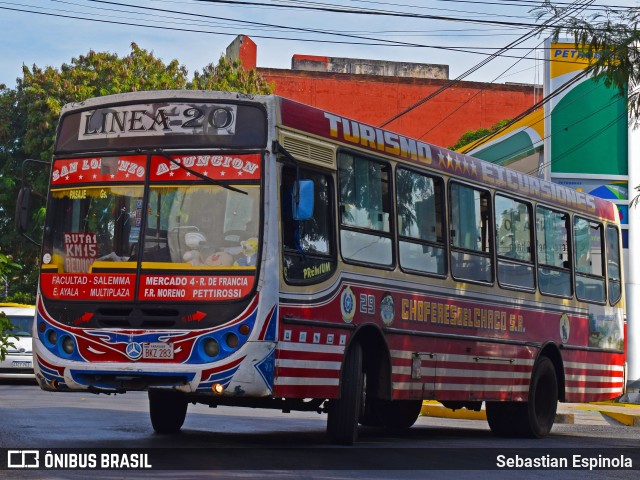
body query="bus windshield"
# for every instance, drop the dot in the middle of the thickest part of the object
(113, 223)
(194, 225)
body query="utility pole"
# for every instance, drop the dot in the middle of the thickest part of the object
(633, 271)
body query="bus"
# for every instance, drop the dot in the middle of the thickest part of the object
(227, 249)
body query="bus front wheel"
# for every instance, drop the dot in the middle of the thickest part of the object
(344, 412)
(168, 410)
(399, 414)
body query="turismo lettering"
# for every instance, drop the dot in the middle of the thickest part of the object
(374, 138)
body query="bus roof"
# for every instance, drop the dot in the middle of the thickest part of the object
(352, 133)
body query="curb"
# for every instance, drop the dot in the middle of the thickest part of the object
(625, 414)
(432, 408)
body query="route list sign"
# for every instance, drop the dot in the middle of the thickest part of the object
(119, 286)
(88, 286)
(194, 287)
(80, 249)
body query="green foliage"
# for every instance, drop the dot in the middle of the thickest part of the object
(473, 135)
(611, 40)
(43, 92)
(25, 298)
(5, 335)
(230, 77)
(29, 117)
(7, 266)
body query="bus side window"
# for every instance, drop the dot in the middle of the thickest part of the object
(365, 210)
(470, 234)
(554, 264)
(308, 245)
(589, 256)
(513, 243)
(613, 265)
(420, 204)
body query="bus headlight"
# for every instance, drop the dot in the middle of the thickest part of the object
(52, 336)
(232, 340)
(68, 345)
(217, 388)
(211, 347)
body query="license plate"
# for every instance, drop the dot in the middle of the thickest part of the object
(18, 363)
(157, 351)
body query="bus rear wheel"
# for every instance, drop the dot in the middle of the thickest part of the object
(543, 400)
(344, 412)
(533, 418)
(168, 410)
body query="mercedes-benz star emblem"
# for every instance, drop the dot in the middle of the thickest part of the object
(134, 350)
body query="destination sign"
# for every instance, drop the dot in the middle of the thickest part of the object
(158, 120)
(163, 124)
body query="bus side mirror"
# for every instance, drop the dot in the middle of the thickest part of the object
(302, 201)
(22, 209)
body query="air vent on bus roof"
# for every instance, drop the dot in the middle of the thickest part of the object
(309, 150)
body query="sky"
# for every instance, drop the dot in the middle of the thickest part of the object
(196, 32)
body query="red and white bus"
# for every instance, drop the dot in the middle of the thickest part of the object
(252, 251)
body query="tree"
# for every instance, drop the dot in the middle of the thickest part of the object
(29, 117)
(42, 93)
(5, 335)
(230, 76)
(611, 41)
(6, 267)
(473, 135)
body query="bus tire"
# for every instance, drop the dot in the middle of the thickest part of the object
(501, 418)
(344, 412)
(370, 413)
(540, 413)
(533, 418)
(399, 414)
(167, 410)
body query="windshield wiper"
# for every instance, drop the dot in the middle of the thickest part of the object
(199, 175)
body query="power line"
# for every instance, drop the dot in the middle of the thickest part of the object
(478, 92)
(512, 154)
(449, 84)
(597, 133)
(366, 40)
(334, 9)
(529, 110)
(578, 77)
(516, 3)
(372, 42)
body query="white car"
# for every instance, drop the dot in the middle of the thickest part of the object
(18, 362)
